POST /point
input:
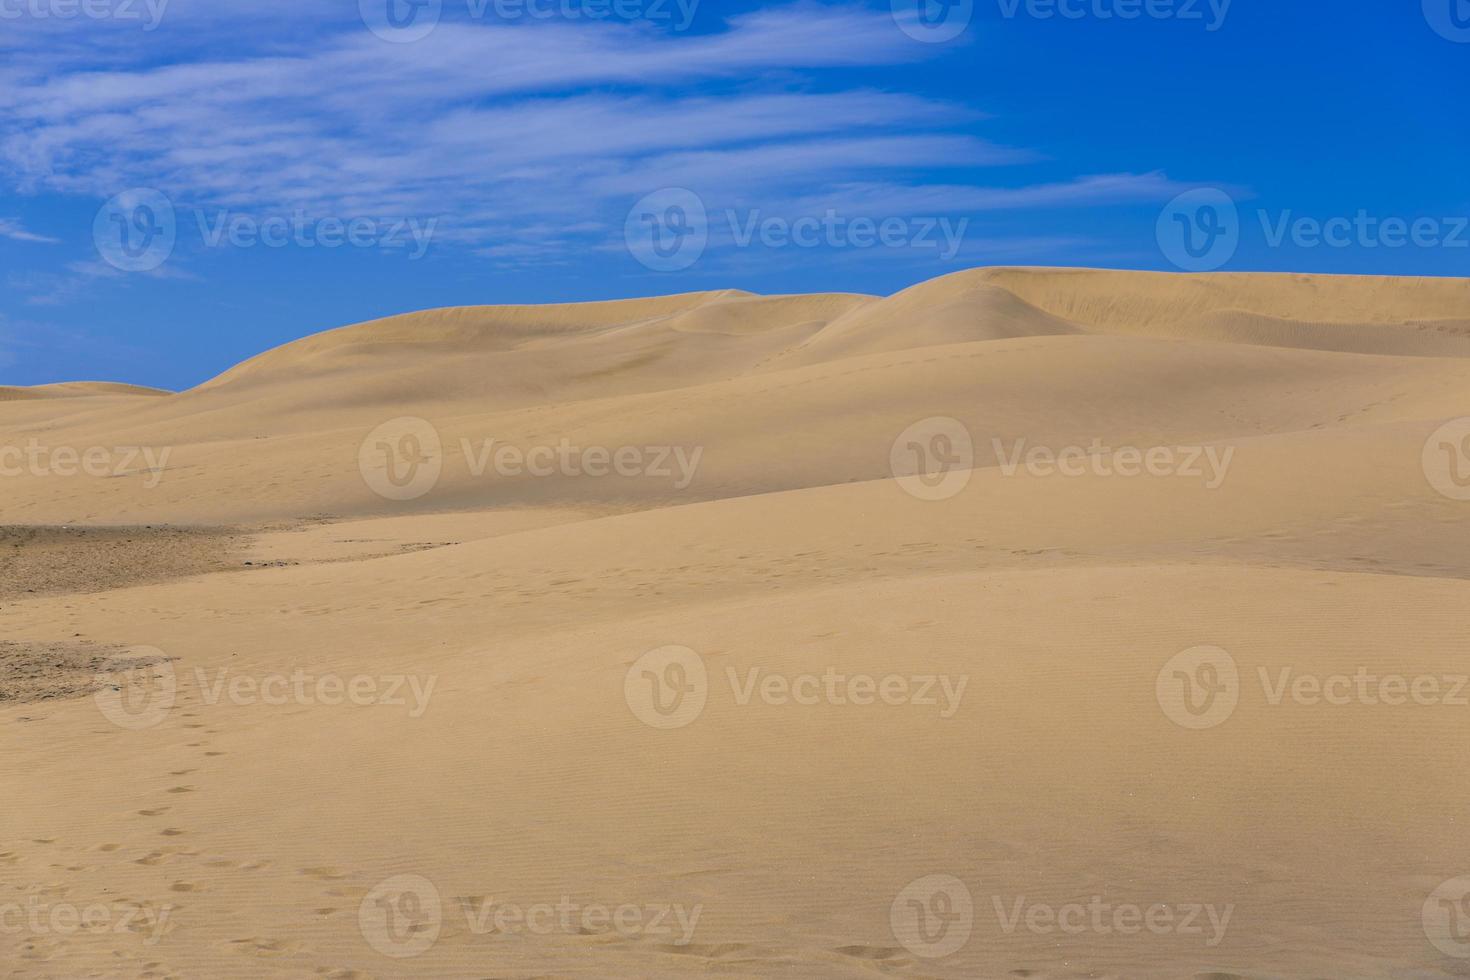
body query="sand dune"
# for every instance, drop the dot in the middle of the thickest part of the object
(1294, 503)
(1363, 314)
(76, 389)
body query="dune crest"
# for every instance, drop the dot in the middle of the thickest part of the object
(1349, 314)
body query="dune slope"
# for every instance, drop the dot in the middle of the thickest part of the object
(625, 640)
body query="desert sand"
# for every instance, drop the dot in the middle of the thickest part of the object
(301, 678)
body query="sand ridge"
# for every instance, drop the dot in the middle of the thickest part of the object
(765, 701)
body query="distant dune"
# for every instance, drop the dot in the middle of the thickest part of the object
(787, 486)
(76, 389)
(729, 369)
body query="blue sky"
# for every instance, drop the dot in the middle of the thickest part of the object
(173, 172)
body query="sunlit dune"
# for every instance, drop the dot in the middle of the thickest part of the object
(793, 636)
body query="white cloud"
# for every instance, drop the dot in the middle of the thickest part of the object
(12, 229)
(527, 141)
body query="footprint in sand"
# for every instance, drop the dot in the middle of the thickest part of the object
(325, 873)
(713, 951)
(257, 946)
(871, 952)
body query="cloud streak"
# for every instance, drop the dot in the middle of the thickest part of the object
(525, 140)
(12, 229)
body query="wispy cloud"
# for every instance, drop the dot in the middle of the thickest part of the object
(12, 229)
(527, 141)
